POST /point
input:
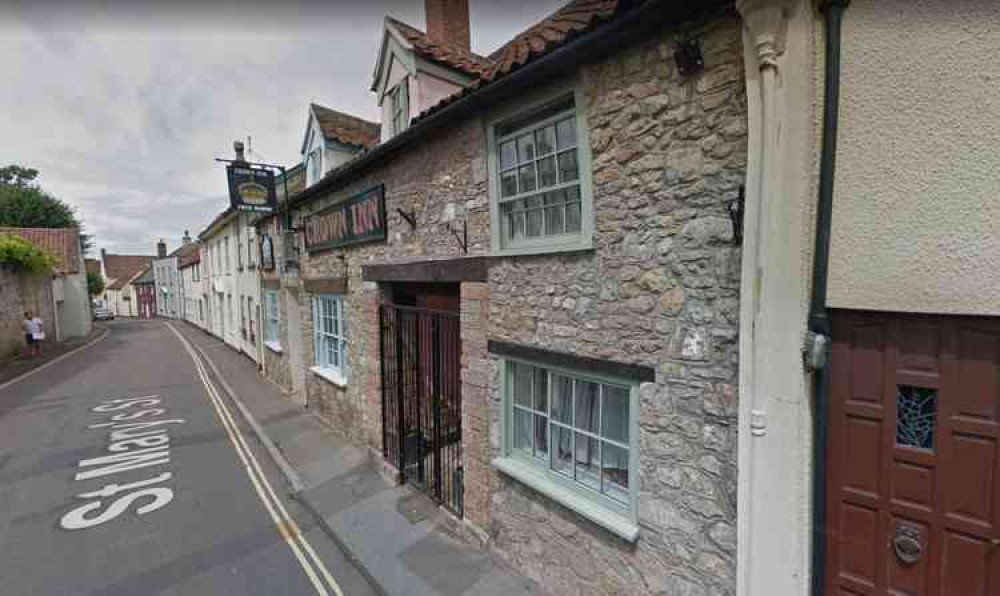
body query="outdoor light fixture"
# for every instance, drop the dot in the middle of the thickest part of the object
(687, 55)
(736, 209)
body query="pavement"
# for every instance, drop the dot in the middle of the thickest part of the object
(17, 366)
(403, 542)
(124, 471)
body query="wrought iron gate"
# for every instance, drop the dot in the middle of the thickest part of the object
(421, 399)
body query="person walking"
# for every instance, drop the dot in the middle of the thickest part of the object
(34, 333)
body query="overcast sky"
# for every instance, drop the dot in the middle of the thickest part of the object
(123, 106)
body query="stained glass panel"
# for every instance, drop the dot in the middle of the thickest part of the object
(916, 411)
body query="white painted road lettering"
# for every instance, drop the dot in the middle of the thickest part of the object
(133, 446)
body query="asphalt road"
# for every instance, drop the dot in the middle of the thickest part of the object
(121, 474)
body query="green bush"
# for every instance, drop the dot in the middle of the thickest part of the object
(20, 254)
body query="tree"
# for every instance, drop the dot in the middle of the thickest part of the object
(95, 283)
(23, 204)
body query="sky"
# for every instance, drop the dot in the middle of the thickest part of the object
(123, 106)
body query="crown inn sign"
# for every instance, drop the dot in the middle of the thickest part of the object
(359, 219)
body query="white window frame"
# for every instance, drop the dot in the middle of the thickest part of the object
(314, 165)
(272, 320)
(322, 364)
(399, 106)
(619, 517)
(584, 240)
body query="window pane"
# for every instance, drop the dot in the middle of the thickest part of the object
(545, 140)
(334, 319)
(521, 374)
(615, 469)
(554, 220)
(916, 411)
(508, 183)
(614, 414)
(534, 216)
(541, 436)
(572, 217)
(522, 431)
(526, 178)
(547, 172)
(525, 148)
(566, 131)
(587, 409)
(588, 461)
(562, 398)
(568, 169)
(541, 390)
(562, 450)
(507, 155)
(517, 229)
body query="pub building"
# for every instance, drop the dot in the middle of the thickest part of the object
(524, 297)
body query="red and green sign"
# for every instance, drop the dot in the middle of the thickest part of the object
(359, 219)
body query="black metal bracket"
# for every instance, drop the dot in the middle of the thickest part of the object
(463, 240)
(737, 207)
(409, 217)
(688, 57)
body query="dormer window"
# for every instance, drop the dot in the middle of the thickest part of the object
(314, 167)
(400, 105)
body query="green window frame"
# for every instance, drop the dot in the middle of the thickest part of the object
(539, 163)
(574, 437)
(399, 99)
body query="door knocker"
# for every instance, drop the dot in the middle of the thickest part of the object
(907, 544)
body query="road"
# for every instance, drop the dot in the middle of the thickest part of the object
(123, 471)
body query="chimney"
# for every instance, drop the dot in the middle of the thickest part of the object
(238, 148)
(161, 249)
(186, 239)
(448, 22)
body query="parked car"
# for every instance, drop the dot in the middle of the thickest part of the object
(103, 314)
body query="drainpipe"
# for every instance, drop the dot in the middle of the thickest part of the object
(817, 352)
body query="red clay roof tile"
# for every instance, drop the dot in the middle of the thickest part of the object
(62, 243)
(347, 129)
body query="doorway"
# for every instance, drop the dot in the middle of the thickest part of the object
(420, 344)
(913, 466)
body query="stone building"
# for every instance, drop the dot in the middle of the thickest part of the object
(525, 300)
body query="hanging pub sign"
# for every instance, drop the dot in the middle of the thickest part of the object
(266, 253)
(357, 220)
(251, 189)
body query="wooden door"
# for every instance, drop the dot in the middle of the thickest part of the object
(913, 465)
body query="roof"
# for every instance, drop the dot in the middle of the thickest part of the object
(61, 243)
(121, 269)
(190, 255)
(346, 129)
(146, 277)
(574, 28)
(221, 218)
(561, 27)
(92, 266)
(445, 54)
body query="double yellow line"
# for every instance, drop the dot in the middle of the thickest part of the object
(289, 530)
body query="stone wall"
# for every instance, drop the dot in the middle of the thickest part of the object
(662, 289)
(442, 182)
(20, 292)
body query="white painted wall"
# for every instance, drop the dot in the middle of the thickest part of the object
(430, 90)
(223, 279)
(77, 318)
(916, 212)
(783, 54)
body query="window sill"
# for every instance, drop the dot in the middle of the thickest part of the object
(607, 519)
(329, 375)
(544, 249)
(273, 346)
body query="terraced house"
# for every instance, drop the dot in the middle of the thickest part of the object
(525, 298)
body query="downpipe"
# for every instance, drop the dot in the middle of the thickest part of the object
(817, 349)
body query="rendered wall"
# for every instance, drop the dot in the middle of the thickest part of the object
(916, 214)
